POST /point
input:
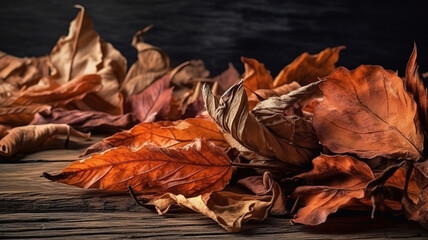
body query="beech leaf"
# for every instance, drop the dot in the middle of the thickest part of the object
(367, 112)
(197, 168)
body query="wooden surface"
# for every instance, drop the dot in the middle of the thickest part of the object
(33, 207)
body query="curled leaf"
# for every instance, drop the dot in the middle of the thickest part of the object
(256, 76)
(367, 112)
(21, 115)
(263, 94)
(197, 168)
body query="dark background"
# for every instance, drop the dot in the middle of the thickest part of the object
(218, 32)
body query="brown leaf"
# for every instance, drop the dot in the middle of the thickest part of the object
(256, 76)
(87, 120)
(244, 132)
(367, 112)
(3, 130)
(264, 94)
(21, 115)
(163, 133)
(229, 209)
(185, 74)
(151, 101)
(307, 68)
(197, 168)
(227, 79)
(338, 180)
(31, 137)
(152, 64)
(81, 52)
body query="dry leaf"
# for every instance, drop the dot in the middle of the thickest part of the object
(197, 168)
(3, 130)
(81, 52)
(256, 76)
(185, 74)
(32, 137)
(153, 101)
(367, 112)
(307, 68)
(152, 64)
(227, 79)
(163, 133)
(21, 115)
(87, 120)
(337, 180)
(263, 94)
(243, 131)
(229, 209)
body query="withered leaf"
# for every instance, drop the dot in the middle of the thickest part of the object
(151, 101)
(163, 133)
(264, 94)
(308, 68)
(231, 114)
(227, 79)
(229, 209)
(152, 64)
(197, 168)
(337, 180)
(87, 120)
(256, 76)
(185, 74)
(367, 112)
(32, 137)
(21, 115)
(82, 51)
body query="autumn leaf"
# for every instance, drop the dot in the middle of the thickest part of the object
(165, 134)
(32, 137)
(367, 112)
(86, 120)
(3, 130)
(152, 101)
(227, 79)
(308, 68)
(197, 168)
(81, 52)
(21, 115)
(244, 132)
(229, 209)
(256, 76)
(263, 94)
(185, 74)
(336, 181)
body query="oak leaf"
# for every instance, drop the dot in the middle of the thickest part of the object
(256, 76)
(229, 209)
(337, 181)
(32, 137)
(197, 168)
(81, 52)
(86, 120)
(308, 68)
(367, 112)
(166, 134)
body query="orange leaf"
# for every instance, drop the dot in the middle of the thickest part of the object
(256, 76)
(367, 112)
(197, 168)
(163, 133)
(21, 115)
(307, 68)
(254, 98)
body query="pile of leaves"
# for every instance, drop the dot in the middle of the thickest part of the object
(235, 147)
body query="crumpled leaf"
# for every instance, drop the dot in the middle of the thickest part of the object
(229, 209)
(3, 130)
(185, 74)
(32, 137)
(152, 64)
(227, 79)
(367, 112)
(152, 101)
(243, 131)
(86, 120)
(307, 68)
(82, 51)
(256, 76)
(337, 180)
(21, 115)
(164, 134)
(263, 94)
(197, 168)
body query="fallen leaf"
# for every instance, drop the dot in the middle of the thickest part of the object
(229, 209)
(263, 94)
(227, 79)
(164, 134)
(308, 68)
(152, 101)
(87, 120)
(21, 115)
(152, 64)
(337, 181)
(3, 130)
(32, 137)
(256, 76)
(81, 52)
(367, 112)
(197, 168)
(185, 74)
